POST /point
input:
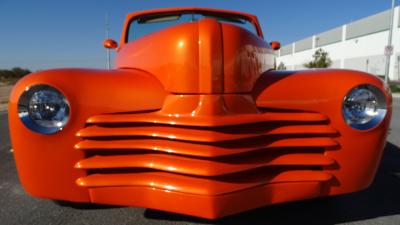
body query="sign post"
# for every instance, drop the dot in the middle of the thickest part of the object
(388, 50)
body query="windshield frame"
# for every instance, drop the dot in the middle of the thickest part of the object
(143, 14)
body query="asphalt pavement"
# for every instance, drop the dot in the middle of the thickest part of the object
(379, 204)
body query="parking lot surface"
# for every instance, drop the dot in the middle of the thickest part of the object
(379, 204)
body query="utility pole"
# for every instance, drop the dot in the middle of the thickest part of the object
(389, 47)
(107, 36)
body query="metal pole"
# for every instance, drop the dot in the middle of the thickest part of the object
(108, 50)
(398, 67)
(388, 56)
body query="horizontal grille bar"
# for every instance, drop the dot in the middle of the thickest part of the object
(199, 186)
(208, 121)
(204, 150)
(201, 167)
(205, 154)
(202, 135)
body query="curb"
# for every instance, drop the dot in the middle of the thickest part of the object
(396, 95)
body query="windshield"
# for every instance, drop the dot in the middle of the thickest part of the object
(142, 26)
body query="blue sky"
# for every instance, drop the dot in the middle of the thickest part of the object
(42, 34)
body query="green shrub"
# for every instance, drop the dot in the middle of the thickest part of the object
(13, 75)
(321, 60)
(395, 88)
(281, 66)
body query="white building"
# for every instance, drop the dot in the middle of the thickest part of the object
(359, 45)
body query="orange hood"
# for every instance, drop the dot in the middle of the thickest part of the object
(202, 57)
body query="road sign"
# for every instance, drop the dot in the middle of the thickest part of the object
(388, 50)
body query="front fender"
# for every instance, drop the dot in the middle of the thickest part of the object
(323, 91)
(45, 163)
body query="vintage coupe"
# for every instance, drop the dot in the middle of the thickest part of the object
(195, 120)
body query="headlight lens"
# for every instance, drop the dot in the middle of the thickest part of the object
(43, 109)
(364, 107)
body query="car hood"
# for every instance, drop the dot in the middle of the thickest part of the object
(205, 57)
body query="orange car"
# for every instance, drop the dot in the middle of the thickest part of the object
(195, 120)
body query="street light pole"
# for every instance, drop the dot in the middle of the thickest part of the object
(388, 53)
(107, 36)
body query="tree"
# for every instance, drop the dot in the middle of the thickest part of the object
(321, 60)
(15, 72)
(11, 76)
(281, 66)
(19, 72)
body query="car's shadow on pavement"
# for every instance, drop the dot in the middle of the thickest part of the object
(382, 198)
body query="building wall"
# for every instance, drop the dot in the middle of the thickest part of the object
(329, 37)
(358, 45)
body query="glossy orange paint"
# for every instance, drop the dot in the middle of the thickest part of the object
(220, 58)
(206, 129)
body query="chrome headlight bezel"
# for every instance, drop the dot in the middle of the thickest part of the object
(40, 101)
(364, 107)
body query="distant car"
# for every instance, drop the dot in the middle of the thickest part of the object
(195, 120)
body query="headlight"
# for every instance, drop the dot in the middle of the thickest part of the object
(364, 107)
(43, 109)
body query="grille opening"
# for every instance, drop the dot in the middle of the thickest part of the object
(118, 171)
(248, 150)
(247, 175)
(280, 110)
(131, 112)
(276, 152)
(225, 129)
(216, 143)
